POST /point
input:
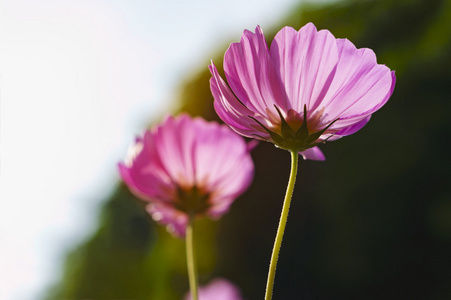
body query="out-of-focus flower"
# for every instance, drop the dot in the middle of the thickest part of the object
(188, 167)
(308, 87)
(218, 289)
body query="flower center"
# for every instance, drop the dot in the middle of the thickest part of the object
(294, 132)
(192, 200)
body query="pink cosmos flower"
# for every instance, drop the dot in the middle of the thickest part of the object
(308, 87)
(187, 167)
(218, 289)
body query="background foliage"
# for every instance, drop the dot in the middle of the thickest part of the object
(372, 222)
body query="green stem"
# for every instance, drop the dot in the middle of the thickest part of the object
(282, 223)
(191, 259)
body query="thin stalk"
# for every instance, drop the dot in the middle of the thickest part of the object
(282, 223)
(191, 259)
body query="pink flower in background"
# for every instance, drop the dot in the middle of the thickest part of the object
(308, 87)
(188, 166)
(218, 289)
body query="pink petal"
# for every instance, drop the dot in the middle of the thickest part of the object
(305, 62)
(229, 108)
(135, 173)
(353, 128)
(174, 141)
(313, 154)
(359, 88)
(223, 166)
(175, 220)
(251, 75)
(218, 289)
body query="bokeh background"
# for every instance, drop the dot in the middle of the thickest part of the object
(371, 222)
